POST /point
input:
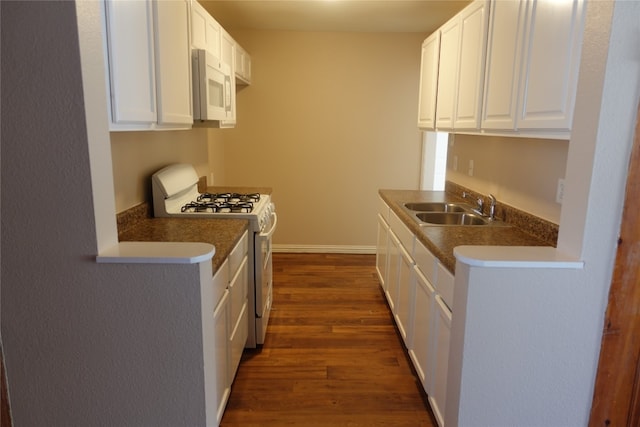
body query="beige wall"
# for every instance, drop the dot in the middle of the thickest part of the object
(137, 155)
(520, 172)
(328, 120)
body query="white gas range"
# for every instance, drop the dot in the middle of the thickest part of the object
(175, 194)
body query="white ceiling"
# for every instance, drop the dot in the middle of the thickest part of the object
(421, 16)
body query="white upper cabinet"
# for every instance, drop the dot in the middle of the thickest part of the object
(506, 67)
(473, 42)
(504, 52)
(448, 73)
(243, 66)
(461, 68)
(228, 49)
(131, 62)
(173, 63)
(553, 39)
(429, 81)
(532, 67)
(206, 33)
(149, 64)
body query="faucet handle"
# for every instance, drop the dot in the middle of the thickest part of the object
(492, 207)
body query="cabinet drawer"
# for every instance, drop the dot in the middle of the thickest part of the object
(444, 285)
(405, 235)
(425, 261)
(383, 210)
(237, 254)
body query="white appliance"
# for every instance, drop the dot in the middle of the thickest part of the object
(212, 87)
(175, 194)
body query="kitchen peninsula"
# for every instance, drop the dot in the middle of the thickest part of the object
(465, 302)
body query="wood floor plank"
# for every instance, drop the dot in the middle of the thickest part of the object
(332, 355)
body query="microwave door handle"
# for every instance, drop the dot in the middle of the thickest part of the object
(268, 234)
(227, 93)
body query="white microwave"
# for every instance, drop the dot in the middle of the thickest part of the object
(212, 87)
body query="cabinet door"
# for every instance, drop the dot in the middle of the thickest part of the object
(448, 73)
(228, 49)
(404, 296)
(442, 337)
(422, 350)
(553, 38)
(214, 37)
(131, 61)
(391, 290)
(239, 317)
(504, 53)
(173, 63)
(222, 381)
(473, 41)
(198, 26)
(429, 81)
(382, 249)
(205, 31)
(243, 66)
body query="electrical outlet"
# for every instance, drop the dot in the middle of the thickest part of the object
(470, 167)
(455, 163)
(560, 191)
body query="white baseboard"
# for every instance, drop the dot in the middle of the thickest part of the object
(325, 249)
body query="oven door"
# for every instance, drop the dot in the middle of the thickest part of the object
(264, 277)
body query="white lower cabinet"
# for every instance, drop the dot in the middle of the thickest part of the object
(442, 336)
(221, 384)
(382, 259)
(419, 291)
(404, 295)
(225, 339)
(239, 321)
(391, 286)
(238, 301)
(421, 351)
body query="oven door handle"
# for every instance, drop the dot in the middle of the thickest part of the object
(268, 234)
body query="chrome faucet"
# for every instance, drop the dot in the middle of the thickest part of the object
(492, 207)
(479, 203)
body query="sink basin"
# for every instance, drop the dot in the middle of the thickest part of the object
(435, 207)
(451, 218)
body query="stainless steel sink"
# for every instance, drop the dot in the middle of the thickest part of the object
(436, 207)
(451, 218)
(448, 213)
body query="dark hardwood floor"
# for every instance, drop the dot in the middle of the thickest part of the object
(332, 355)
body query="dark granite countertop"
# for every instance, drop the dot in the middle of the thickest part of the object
(138, 224)
(221, 233)
(442, 239)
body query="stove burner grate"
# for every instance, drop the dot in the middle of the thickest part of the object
(222, 203)
(229, 197)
